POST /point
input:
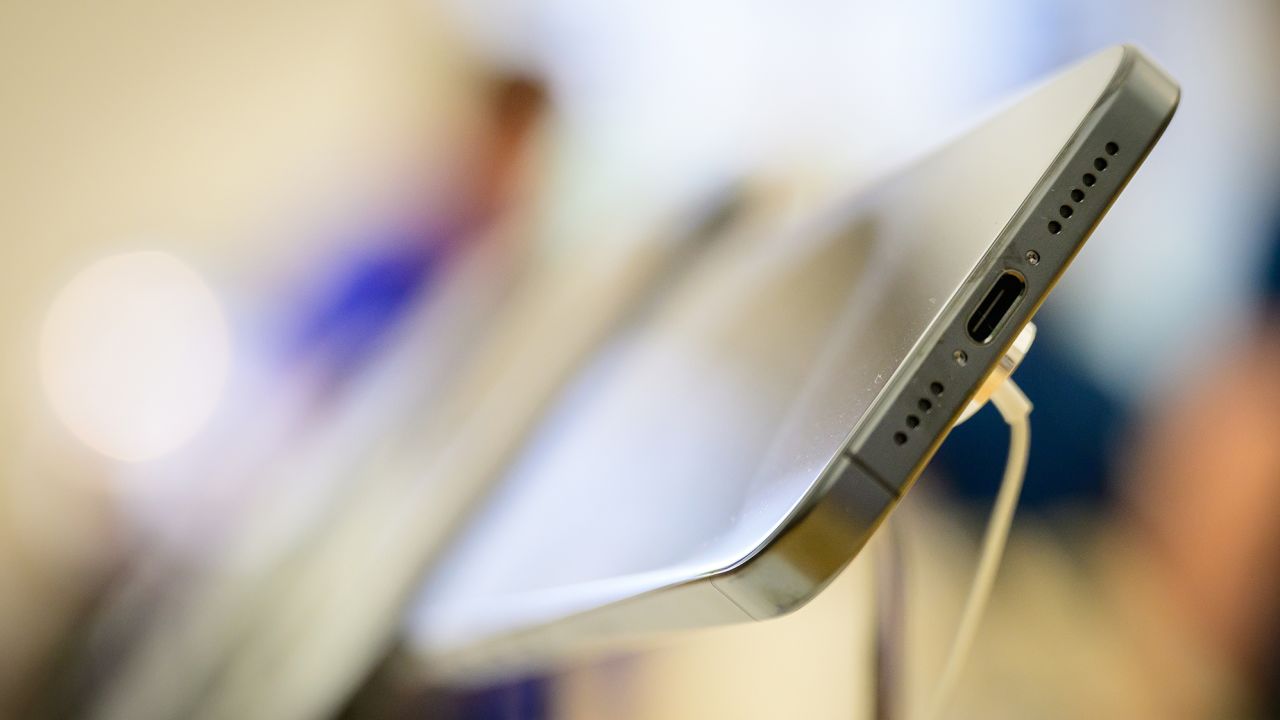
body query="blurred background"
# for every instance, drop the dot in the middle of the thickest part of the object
(255, 250)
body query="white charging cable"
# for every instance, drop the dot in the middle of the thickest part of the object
(1016, 410)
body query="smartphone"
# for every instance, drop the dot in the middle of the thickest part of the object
(738, 445)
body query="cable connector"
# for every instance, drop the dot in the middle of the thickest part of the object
(1003, 370)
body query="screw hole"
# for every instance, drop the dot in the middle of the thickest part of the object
(1100, 164)
(913, 421)
(1077, 194)
(1055, 227)
(1112, 148)
(936, 388)
(924, 405)
(1065, 211)
(900, 438)
(1089, 179)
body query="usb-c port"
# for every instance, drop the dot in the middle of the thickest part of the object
(995, 308)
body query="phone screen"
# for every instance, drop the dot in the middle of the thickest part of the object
(688, 440)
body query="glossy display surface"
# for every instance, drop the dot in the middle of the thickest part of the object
(690, 439)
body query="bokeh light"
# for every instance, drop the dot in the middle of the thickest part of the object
(134, 355)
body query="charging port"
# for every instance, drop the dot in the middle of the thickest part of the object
(991, 313)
